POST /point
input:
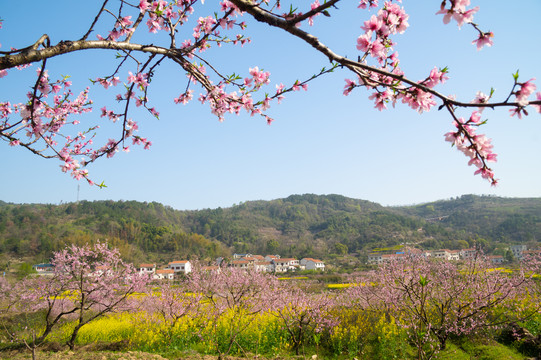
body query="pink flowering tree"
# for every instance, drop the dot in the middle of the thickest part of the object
(434, 299)
(88, 282)
(48, 124)
(172, 303)
(303, 314)
(232, 300)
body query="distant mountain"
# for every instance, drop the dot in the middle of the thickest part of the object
(299, 225)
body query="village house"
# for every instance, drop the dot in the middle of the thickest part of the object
(270, 258)
(496, 259)
(312, 264)
(379, 258)
(375, 258)
(180, 266)
(466, 254)
(518, 251)
(265, 266)
(240, 264)
(251, 259)
(146, 269)
(44, 269)
(286, 264)
(167, 274)
(445, 254)
(454, 255)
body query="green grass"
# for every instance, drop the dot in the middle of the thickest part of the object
(469, 350)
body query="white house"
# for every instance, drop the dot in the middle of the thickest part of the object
(443, 254)
(147, 269)
(44, 269)
(313, 264)
(240, 264)
(373, 258)
(265, 266)
(168, 274)
(468, 253)
(180, 266)
(286, 264)
(454, 255)
(518, 251)
(496, 259)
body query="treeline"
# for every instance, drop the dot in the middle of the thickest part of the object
(299, 226)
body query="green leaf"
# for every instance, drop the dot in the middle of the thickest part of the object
(515, 76)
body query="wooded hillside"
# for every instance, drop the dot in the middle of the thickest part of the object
(299, 226)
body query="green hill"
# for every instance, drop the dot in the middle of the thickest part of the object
(299, 225)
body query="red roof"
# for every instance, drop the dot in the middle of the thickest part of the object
(179, 262)
(147, 265)
(165, 271)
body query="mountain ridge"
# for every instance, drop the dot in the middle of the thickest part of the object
(306, 225)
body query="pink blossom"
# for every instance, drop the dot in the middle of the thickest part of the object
(350, 85)
(526, 89)
(370, 3)
(374, 24)
(363, 42)
(436, 77)
(484, 39)
(537, 107)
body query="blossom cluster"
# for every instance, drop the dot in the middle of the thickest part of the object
(377, 69)
(477, 147)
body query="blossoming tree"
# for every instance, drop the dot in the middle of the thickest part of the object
(47, 124)
(435, 299)
(88, 282)
(231, 296)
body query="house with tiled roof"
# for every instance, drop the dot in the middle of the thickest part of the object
(265, 266)
(240, 264)
(285, 264)
(167, 274)
(44, 269)
(180, 266)
(146, 269)
(312, 264)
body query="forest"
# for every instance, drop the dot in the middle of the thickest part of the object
(320, 226)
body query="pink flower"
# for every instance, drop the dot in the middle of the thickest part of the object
(436, 77)
(484, 39)
(526, 89)
(537, 107)
(374, 24)
(363, 42)
(350, 85)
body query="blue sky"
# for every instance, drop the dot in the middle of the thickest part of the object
(320, 142)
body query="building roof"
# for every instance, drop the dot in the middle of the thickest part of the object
(165, 271)
(179, 262)
(239, 262)
(43, 265)
(261, 263)
(147, 265)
